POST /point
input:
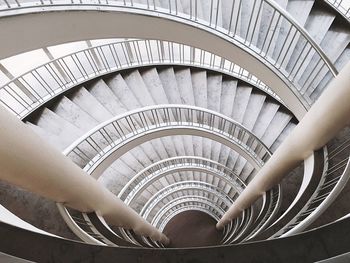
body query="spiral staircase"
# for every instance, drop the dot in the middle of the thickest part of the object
(174, 106)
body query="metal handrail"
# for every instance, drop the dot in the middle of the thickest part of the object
(151, 173)
(179, 186)
(279, 18)
(333, 180)
(142, 178)
(30, 90)
(171, 113)
(340, 7)
(90, 150)
(132, 198)
(153, 202)
(166, 209)
(212, 209)
(273, 207)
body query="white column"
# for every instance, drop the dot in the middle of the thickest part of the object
(329, 114)
(29, 162)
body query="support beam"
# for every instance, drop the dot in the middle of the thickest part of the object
(30, 163)
(329, 114)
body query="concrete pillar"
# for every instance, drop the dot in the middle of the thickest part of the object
(30, 163)
(329, 114)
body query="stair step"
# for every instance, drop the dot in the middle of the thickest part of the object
(121, 90)
(246, 171)
(255, 104)
(228, 93)
(299, 10)
(278, 123)
(214, 84)
(58, 126)
(106, 97)
(315, 71)
(226, 7)
(47, 136)
(244, 23)
(172, 95)
(266, 115)
(199, 85)
(183, 80)
(333, 49)
(90, 104)
(321, 84)
(283, 135)
(136, 84)
(241, 102)
(72, 113)
(154, 86)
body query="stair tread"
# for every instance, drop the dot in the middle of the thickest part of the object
(85, 100)
(183, 80)
(276, 126)
(58, 126)
(74, 114)
(136, 84)
(47, 136)
(172, 95)
(106, 97)
(254, 107)
(241, 101)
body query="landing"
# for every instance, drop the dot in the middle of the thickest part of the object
(192, 229)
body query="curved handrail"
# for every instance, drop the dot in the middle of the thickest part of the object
(149, 174)
(77, 227)
(96, 144)
(173, 10)
(273, 207)
(136, 183)
(306, 246)
(132, 197)
(176, 187)
(161, 213)
(30, 90)
(333, 180)
(246, 38)
(171, 189)
(212, 209)
(99, 144)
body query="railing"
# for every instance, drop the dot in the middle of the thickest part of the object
(171, 165)
(81, 227)
(32, 89)
(265, 30)
(333, 179)
(216, 209)
(341, 6)
(275, 199)
(241, 230)
(240, 225)
(215, 212)
(152, 203)
(305, 246)
(147, 176)
(106, 141)
(94, 147)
